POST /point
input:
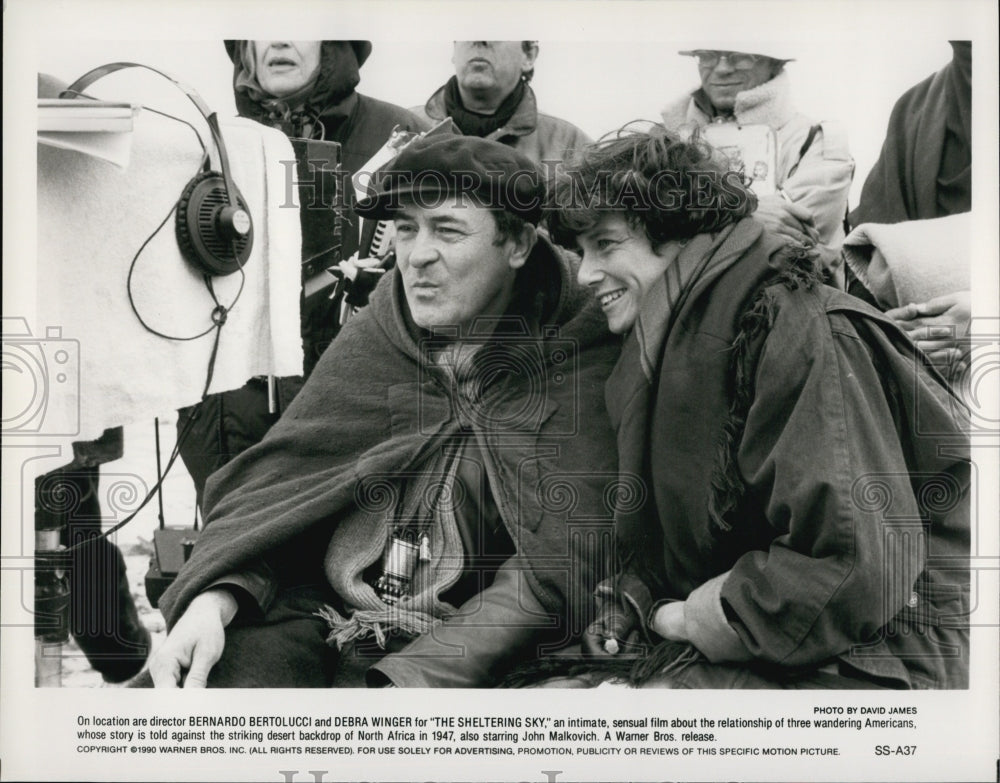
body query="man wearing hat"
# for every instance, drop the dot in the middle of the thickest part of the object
(428, 510)
(306, 89)
(806, 200)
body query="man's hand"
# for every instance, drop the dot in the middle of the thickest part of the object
(781, 216)
(196, 642)
(938, 326)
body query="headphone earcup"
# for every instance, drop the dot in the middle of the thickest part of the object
(200, 237)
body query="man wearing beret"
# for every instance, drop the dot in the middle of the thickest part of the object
(427, 513)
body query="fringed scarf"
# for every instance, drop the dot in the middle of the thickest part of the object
(702, 259)
(424, 506)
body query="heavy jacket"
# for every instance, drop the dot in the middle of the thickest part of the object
(231, 422)
(374, 407)
(822, 176)
(541, 137)
(809, 477)
(924, 169)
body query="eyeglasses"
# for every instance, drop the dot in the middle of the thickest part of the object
(737, 60)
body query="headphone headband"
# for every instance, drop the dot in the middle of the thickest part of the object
(211, 118)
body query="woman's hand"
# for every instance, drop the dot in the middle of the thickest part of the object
(939, 326)
(614, 632)
(781, 216)
(668, 622)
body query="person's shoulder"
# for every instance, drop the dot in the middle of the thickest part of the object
(558, 127)
(825, 136)
(917, 94)
(379, 111)
(678, 112)
(420, 112)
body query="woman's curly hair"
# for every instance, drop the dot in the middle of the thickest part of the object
(673, 188)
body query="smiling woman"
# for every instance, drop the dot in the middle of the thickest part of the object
(754, 565)
(631, 206)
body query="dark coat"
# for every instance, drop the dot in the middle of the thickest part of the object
(797, 443)
(924, 169)
(372, 409)
(541, 137)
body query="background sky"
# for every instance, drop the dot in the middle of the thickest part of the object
(598, 85)
(601, 65)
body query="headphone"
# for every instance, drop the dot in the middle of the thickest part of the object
(213, 226)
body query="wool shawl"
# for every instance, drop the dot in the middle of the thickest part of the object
(792, 438)
(373, 407)
(920, 173)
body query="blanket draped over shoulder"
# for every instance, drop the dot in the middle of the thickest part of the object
(373, 408)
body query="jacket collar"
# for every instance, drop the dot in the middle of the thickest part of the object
(522, 122)
(767, 104)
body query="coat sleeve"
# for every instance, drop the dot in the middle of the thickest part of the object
(821, 180)
(822, 461)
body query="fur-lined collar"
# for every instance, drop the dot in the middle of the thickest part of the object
(768, 104)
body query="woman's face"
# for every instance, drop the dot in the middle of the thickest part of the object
(620, 266)
(284, 67)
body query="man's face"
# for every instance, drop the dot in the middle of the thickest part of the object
(491, 65)
(722, 81)
(620, 266)
(284, 67)
(452, 269)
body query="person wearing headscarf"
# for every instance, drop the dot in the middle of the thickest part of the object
(807, 475)
(307, 89)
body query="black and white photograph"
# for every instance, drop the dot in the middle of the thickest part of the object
(618, 404)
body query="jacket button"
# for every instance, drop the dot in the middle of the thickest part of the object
(914, 600)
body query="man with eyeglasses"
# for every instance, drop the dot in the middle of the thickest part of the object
(806, 196)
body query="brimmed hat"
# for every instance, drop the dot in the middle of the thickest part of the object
(761, 49)
(431, 169)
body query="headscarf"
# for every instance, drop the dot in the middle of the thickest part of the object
(301, 113)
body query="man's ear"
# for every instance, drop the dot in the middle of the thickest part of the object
(530, 50)
(522, 245)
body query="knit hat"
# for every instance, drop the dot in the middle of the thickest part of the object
(434, 168)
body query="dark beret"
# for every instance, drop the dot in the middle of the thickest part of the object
(429, 169)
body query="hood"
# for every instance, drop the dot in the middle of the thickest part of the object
(339, 74)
